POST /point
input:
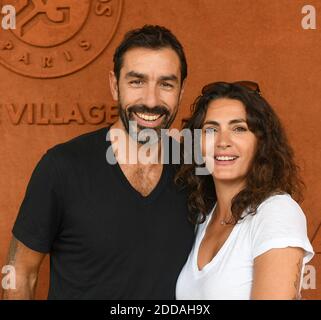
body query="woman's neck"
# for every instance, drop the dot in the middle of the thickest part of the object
(225, 192)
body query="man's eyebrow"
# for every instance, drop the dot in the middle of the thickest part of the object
(215, 123)
(171, 77)
(134, 74)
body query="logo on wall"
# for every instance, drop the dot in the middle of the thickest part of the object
(54, 38)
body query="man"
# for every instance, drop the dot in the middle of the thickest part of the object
(112, 231)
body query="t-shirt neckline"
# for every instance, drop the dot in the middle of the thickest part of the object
(216, 258)
(131, 190)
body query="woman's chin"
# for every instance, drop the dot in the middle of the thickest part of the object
(226, 178)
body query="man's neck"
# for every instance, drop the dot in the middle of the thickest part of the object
(130, 151)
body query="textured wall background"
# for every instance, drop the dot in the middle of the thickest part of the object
(259, 40)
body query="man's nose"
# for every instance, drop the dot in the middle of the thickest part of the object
(151, 98)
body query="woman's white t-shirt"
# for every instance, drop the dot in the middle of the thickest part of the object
(278, 223)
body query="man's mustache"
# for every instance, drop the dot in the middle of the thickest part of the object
(141, 108)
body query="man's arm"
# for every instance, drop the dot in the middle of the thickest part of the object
(277, 274)
(26, 263)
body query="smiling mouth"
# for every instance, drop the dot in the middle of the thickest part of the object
(225, 158)
(148, 117)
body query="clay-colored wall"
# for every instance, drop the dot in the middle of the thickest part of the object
(261, 40)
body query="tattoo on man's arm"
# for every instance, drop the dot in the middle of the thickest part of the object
(12, 251)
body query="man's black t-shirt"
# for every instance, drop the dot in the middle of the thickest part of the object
(106, 240)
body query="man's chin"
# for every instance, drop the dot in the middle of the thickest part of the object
(140, 128)
(146, 135)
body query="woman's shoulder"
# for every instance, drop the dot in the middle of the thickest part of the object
(279, 202)
(276, 208)
(279, 215)
(282, 206)
(279, 222)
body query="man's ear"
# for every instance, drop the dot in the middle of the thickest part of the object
(182, 91)
(113, 84)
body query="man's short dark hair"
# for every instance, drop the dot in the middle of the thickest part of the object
(150, 37)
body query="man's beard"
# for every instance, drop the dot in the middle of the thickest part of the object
(142, 134)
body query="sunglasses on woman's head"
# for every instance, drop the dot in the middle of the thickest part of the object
(250, 85)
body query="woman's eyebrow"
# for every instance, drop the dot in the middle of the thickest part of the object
(237, 121)
(215, 123)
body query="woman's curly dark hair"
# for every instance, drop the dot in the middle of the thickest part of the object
(273, 170)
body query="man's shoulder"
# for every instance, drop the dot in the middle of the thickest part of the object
(82, 145)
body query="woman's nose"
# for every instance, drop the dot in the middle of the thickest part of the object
(222, 140)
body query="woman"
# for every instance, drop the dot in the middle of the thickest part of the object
(251, 240)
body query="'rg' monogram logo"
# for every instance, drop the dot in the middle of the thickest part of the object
(47, 23)
(53, 11)
(53, 38)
